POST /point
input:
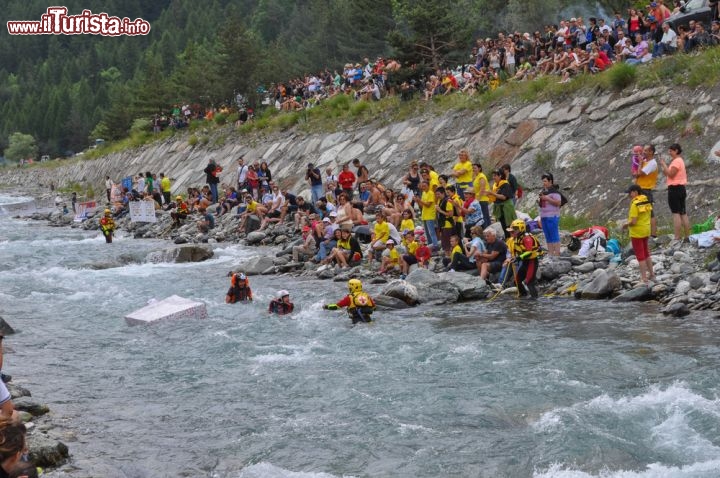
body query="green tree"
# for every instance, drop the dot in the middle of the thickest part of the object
(428, 31)
(21, 146)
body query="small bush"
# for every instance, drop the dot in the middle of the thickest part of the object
(286, 121)
(233, 118)
(544, 160)
(696, 159)
(205, 139)
(220, 119)
(140, 125)
(338, 103)
(192, 140)
(665, 122)
(359, 107)
(622, 75)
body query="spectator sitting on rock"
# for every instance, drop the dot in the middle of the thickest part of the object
(347, 251)
(252, 207)
(304, 209)
(308, 246)
(491, 261)
(275, 211)
(206, 222)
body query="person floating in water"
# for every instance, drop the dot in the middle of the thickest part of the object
(107, 226)
(281, 305)
(360, 305)
(239, 290)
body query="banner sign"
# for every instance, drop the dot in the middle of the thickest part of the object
(84, 209)
(142, 211)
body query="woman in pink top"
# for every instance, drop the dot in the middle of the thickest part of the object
(676, 182)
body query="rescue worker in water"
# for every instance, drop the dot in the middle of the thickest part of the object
(281, 305)
(525, 251)
(107, 226)
(239, 290)
(360, 305)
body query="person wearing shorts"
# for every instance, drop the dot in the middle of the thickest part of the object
(677, 194)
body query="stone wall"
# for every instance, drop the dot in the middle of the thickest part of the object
(584, 140)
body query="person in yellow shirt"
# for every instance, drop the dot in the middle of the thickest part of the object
(639, 227)
(380, 235)
(252, 207)
(432, 178)
(409, 242)
(390, 258)
(426, 201)
(481, 186)
(407, 221)
(463, 172)
(646, 177)
(165, 188)
(457, 203)
(445, 212)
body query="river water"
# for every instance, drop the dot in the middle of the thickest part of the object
(553, 388)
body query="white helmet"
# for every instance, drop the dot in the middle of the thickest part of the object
(282, 293)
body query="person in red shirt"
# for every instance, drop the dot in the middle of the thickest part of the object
(346, 179)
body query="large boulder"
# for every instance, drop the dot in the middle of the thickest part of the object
(602, 285)
(255, 237)
(256, 265)
(400, 289)
(45, 451)
(638, 294)
(678, 309)
(431, 288)
(470, 287)
(387, 302)
(189, 253)
(552, 269)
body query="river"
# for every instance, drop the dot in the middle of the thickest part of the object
(552, 388)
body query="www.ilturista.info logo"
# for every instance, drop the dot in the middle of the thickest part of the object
(57, 22)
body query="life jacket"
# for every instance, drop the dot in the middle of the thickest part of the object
(361, 307)
(642, 204)
(495, 188)
(239, 290)
(442, 218)
(182, 208)
(586, 233)
(107, 224)
(277, 306)
(520, 248)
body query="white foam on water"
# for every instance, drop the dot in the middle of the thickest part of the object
(704, 469)
(268, 470)
(676, 396)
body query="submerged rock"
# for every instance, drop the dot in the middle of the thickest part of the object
(402, 290)
(182, 254)
(639, 294)
(387, 302)
(5, 328)
(678, 309)
(45, 451)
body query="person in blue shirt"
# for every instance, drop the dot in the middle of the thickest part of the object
(206, 222)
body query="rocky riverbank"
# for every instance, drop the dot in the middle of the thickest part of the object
(687, 276)
(46, 448)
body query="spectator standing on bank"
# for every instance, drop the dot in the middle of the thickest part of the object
(676, 178)
(316, 184)
(108, 187)
(212, 171)
(165, 188)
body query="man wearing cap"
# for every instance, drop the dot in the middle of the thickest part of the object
(390, 257)
(316, 185)
(281, 305)
(638, 225)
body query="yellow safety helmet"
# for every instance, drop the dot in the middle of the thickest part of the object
(107, 212)
(178, 198)
(354, 286)
(518, 225)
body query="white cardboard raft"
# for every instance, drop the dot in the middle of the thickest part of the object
(174, 307)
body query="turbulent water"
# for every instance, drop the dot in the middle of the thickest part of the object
(553, 388)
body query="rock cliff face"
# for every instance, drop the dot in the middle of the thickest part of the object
(584, 140)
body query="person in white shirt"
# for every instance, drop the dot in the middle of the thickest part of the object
(242, 173)
(668, 43)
